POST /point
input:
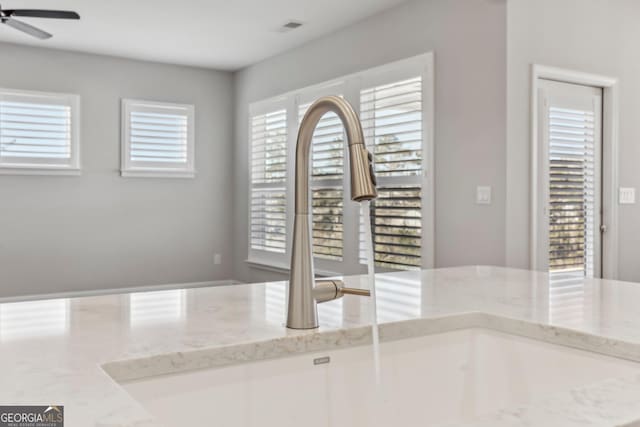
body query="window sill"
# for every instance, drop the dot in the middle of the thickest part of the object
(39, 170)
(277, 267)
(157, 173)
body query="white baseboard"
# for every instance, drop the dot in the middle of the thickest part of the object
(112, 291)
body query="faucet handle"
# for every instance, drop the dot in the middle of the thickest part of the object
(327, 290)
(355, 291)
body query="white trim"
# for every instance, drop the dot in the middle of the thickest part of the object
(130, 169)
(118, 291)
(70, 168)
(155, 173)
(610, 120)
(610, 181)
(39, 170)
(428, 172)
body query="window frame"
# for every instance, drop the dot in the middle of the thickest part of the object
(130, 169)
(70, 168)
(351, 85)
(610, 178)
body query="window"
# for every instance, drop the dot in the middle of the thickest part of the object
(268, 201)
(157, 139)
(39, 133)
(395, 106)
(391, 116)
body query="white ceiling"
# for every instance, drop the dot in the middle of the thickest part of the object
(222, 34)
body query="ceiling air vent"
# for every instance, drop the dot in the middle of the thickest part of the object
(291, 25)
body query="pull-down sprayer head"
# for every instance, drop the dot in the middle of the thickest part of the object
(363, 181)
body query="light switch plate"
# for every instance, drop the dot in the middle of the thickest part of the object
(627, 195)
(483, 195)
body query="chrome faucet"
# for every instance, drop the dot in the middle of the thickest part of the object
(304, 292)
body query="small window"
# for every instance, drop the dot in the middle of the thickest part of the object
(39, 133)
(157, 139)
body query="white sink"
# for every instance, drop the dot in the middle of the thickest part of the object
(448, 377)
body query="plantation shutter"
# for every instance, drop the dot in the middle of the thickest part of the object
(38, 130)
(157, 137)
(391, 116)
(571, 190)
(573, 136)
(268, 208)
(327, 157)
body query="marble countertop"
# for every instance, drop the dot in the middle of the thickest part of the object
(74, 351)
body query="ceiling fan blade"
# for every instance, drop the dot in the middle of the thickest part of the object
(26, 28)
(39, 13)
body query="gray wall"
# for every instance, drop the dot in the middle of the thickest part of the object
(100, 230)
(468, 39)
(588, 35)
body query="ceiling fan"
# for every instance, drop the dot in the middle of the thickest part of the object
(7, 16)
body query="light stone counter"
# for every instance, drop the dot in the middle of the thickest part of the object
(73, 351)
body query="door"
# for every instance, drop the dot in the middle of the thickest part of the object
(570, 179)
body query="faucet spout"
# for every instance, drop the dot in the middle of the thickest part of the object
(302, 307)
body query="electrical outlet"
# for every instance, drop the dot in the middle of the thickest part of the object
(217, 259)
(483, 195)
(627, 195)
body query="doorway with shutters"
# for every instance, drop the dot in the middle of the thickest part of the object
(574, 176)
